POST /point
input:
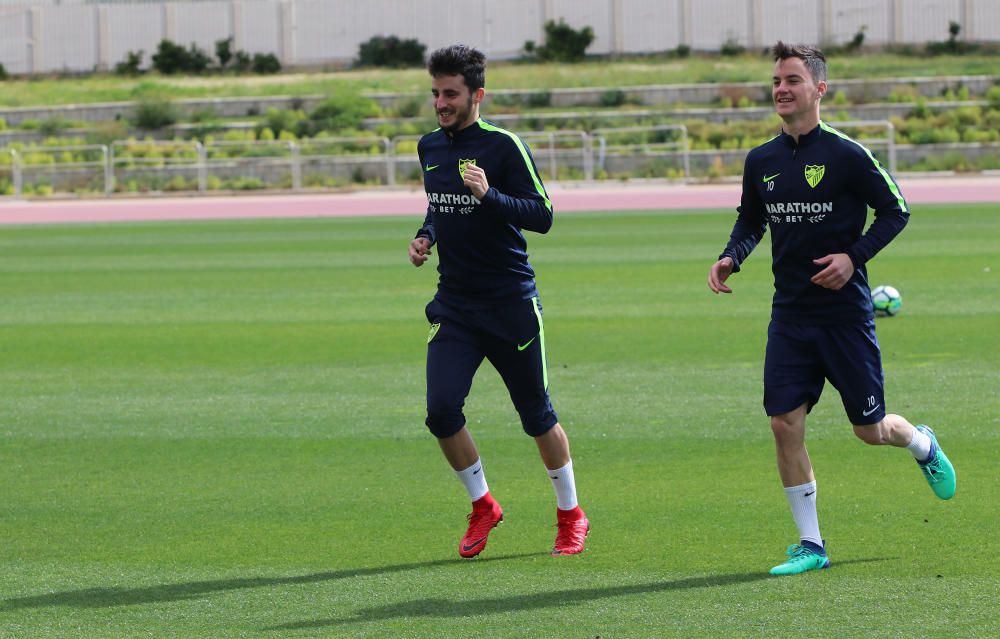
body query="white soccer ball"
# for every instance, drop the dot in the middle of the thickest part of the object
(886, 300)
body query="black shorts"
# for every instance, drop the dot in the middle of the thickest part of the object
(511, 337)
(800, 357)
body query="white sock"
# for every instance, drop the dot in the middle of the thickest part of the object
(919, 446)
(802, 500)
(474, 480)
(565, 486)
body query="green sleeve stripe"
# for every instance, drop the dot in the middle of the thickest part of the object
(527, 161)
(885, 175)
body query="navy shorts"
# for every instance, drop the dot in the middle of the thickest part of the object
(800, 357)
(511, 337)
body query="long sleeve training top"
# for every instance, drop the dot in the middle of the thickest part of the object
(482, 253)
(815, 196)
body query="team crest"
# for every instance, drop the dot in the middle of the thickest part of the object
(461, 166)
(815, 173)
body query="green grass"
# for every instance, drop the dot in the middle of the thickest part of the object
(214, 429)
(502, 75)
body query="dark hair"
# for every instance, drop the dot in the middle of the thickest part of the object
(813, 58)
(459, 59)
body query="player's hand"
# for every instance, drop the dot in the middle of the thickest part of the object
(839, 268)
(719, 273)
(475, 179)
(420, 250)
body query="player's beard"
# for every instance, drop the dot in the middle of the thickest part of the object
(460, 118)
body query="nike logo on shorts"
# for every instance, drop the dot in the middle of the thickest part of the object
(521, 347)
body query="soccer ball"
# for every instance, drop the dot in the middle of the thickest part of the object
(886, 301)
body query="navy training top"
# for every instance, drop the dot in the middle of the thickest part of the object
(815, 196)
(482, 254)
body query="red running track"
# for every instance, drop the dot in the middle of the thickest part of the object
(565, 198)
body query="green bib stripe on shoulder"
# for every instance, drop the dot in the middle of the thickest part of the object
(888, 180)
(524, 153)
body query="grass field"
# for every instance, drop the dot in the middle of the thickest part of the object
(215, 430)
(503, 75)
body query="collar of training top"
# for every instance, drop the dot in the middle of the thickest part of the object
(804, 140)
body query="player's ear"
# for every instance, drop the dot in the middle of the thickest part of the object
(821, 88)
(478, 95)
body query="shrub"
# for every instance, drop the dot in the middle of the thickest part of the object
(265, 63)
(731, 47)
(337, 113)
(682, 51)
(224, 51)
(391, 51)
(130, 65)
(950, 46)
(3, 72)
(278, 120)
(198, 60)
(539, 99)
(169, 58)
(178, 183)
(613, 98)
(53, 126)
(993, 96)
(242, 61)
(921, 110)
(857, 40)
(172, 58)
(154, 113)
(563, 43)
(409, 108)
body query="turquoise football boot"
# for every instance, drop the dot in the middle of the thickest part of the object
(800, 560)
(938, 471)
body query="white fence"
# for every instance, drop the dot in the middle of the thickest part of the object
(661, 151)
(43, 36)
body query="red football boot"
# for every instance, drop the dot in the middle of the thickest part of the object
(486, 514)
(572, 531)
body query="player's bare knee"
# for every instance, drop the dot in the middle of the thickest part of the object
(785, 428)
(872, 434)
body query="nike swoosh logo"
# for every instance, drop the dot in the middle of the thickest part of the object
(866, 413)
(473, 545)
(768, 179)
(476, 471)
(811, 492)
(521, 347)
(430, 168)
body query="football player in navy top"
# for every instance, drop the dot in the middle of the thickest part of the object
(483, 191)
(812, 186)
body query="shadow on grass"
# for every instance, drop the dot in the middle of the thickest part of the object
(448, 608)
(107, 597)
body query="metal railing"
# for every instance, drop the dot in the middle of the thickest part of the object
(189, 165)
(889, 140)
(680, 147)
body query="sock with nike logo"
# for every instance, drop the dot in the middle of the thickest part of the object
(565, 486)
(802, 500)
(474, 480)
(919, 446)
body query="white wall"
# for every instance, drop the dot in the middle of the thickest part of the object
(44, 36)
